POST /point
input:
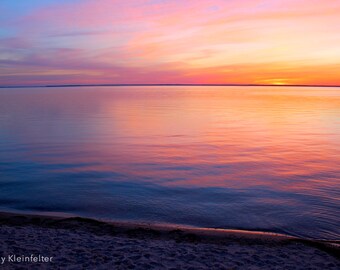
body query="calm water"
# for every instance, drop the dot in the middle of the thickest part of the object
(258, 158)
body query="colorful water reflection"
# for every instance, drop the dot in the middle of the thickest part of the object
(258, 158)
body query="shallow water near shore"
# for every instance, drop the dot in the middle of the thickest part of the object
(253, 158)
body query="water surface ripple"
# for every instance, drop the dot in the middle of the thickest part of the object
(255, 158)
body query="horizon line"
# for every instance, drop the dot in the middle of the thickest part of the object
(165, 84)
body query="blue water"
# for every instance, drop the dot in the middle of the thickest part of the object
(255, 158)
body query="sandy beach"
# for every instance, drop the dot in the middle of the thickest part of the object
(43, 242)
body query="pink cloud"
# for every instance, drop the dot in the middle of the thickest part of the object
(174, 41)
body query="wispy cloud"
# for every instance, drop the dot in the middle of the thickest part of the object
(149, 41)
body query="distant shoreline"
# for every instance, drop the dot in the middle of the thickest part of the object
(162, 84)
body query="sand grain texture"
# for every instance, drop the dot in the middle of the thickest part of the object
(86, 244)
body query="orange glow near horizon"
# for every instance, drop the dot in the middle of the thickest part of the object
(153, 41)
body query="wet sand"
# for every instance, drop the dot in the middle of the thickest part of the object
(76, 243)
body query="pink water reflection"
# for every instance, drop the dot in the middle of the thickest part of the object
(282, 141)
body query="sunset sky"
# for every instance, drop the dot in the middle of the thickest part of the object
(169, 41)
